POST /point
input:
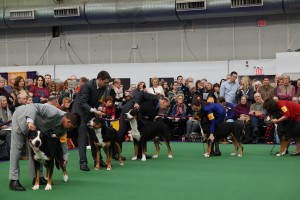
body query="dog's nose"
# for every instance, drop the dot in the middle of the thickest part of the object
(37, 143)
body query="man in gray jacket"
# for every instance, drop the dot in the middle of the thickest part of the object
(47, 119)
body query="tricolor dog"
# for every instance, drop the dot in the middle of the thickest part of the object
(143, 130)
(233, 129)
(45, 150)
(106, 138)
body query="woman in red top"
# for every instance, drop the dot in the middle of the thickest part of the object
(289, 122)
(40, 91)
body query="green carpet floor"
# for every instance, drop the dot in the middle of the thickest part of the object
(189, 175)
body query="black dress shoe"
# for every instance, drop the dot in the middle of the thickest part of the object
(43, 181)
(102, 163)
(84, 167)
(116, 157)
(16, 185)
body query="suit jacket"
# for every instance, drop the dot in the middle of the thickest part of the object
(149, 104)
(47, 118)
(89, 97)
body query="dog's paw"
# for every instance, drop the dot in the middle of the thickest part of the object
(48, 187)
(240, 155)
(155, 156)
(206, 155)
(96, 168)
(121, 164)
(35, 187)
(143, 158)
(170, 156)
(279, 154)
(134, 158)
(66, 178)
(109, 169)
(233, 154)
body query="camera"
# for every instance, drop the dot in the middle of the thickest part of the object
(71, 85)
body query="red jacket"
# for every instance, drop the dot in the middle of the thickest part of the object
(290, 109)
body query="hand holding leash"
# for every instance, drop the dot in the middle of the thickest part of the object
(31, 126)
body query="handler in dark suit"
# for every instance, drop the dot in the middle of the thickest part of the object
(47, 119)
(90, 97)
(148, 105)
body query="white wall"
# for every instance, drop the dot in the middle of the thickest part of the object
(214, 71)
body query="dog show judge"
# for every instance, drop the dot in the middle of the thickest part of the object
(47, 119)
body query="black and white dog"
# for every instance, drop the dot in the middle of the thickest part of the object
(45, 150)
(143, 130)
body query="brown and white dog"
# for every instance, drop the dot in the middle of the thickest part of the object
(146, 130)
(45, 150)
(106, 138)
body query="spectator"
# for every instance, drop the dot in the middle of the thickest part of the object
(286, 91)
(192, 125)
(108, 107)
(118, 98)
(11, 84)
(66, 104)
(3, 92)
(141, 87)
(82, 81)
(48, 80)
(200, 87)
(165, 87)
(156, 89)
(132, 88)
(22, 100)
(19, 88)
(211, 98)
(181, 86)
(257, 113)
(266, 90)
(241, 113)
(29, 100)
(173, 93)
(245, 90)
(40, 91)
(29, 84)
(229, 88)
(257, 85)
(179, 112)
(216, 89)
(298, 88)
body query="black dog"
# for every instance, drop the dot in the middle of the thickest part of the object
(45, 150)
(148, 130)
(287, 130)
(106, 138)
(235, 129)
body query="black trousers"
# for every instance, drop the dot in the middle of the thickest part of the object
(84, 132)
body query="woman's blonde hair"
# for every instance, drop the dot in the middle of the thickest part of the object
(179, 95)
(246, 82)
